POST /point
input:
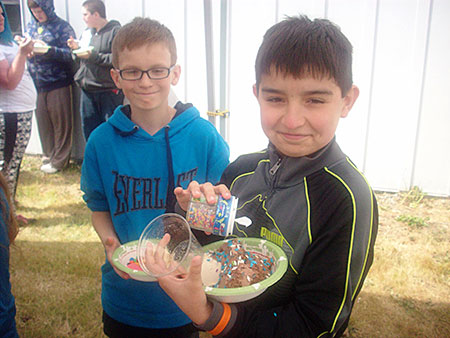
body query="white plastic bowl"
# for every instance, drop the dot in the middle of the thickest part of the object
(258, 245)
(123, 255)
(40, 49)
(83, 51)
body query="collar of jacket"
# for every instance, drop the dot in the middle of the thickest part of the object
(290, 168)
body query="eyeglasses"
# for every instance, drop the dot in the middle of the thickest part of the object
(157, 73)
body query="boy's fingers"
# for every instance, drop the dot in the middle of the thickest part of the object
(223, 190)
(160, 248)
(194, 189)
(195, 271)
(209, 191)
(149, 258)
(122, 274)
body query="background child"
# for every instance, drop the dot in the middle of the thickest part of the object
(53, 76)
(8, 232)
(131, 166)
(302, 190)
(99, 95)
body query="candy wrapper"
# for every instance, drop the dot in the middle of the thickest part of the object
(215, 218)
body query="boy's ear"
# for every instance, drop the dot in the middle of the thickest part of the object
(349, 100)
(116, 77)
(176, 72)
(255, 90)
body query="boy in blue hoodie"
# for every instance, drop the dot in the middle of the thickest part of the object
(52, 72)
(132, 164)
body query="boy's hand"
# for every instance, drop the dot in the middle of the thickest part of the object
(196, 190)
(186, 290)
(72, 43)
(111, 244)
(26, 46)
(158, 260)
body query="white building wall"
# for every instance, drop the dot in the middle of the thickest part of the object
(397, 131)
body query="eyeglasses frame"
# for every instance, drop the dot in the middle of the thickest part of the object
(169, 69)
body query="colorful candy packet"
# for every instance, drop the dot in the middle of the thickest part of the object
(216, 218)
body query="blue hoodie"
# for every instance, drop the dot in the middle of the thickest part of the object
(53, 69)
(7, 305)
(126, 173)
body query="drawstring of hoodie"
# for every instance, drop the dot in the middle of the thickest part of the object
(170, 197)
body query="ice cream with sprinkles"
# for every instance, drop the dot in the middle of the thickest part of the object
(240, 267)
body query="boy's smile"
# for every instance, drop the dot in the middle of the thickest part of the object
(146, 94)
(300, 115)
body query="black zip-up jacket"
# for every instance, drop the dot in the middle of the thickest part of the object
(324, 215)
(94, 72)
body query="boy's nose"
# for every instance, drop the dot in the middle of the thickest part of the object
(295, 116)
(145, 80)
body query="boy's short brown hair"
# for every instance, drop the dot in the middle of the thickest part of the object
(93, 6)
(139, 32)
(298, 46)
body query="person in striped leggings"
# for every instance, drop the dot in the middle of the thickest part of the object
(17, 102)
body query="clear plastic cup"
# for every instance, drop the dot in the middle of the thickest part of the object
(158, 258)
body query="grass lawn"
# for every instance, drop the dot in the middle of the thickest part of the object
(55, 264)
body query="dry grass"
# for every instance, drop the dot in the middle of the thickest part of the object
(55, 266)
(407, 292)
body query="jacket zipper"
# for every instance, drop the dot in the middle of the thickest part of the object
(275, 167)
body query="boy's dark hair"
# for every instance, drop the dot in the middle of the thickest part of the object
(298, 46)
(32, 4)
(139, 32)
(93, 6)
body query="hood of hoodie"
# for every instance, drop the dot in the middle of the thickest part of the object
(49, 9)
(110, 24)
(124, 126)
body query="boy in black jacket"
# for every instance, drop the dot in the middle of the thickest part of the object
(302, 192)
(99, 94)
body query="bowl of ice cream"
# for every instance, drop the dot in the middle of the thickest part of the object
(83, 51)
(125, 259)
(40, 48)
(236, 270)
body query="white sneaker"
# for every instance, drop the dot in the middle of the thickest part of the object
(48, 168)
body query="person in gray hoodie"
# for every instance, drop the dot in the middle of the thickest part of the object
(51, 68)
(99, 94)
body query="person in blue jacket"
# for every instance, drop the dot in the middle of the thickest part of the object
(132, 164)
(8, 231)
(52, 72)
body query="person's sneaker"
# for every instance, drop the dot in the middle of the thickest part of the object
(48, 168)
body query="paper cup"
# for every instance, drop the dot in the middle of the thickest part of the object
(158, 260)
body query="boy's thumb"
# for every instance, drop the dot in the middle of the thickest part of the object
(196, 267)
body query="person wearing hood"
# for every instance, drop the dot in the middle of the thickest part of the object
(133, 162)
(99, 94)
(51, 69)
